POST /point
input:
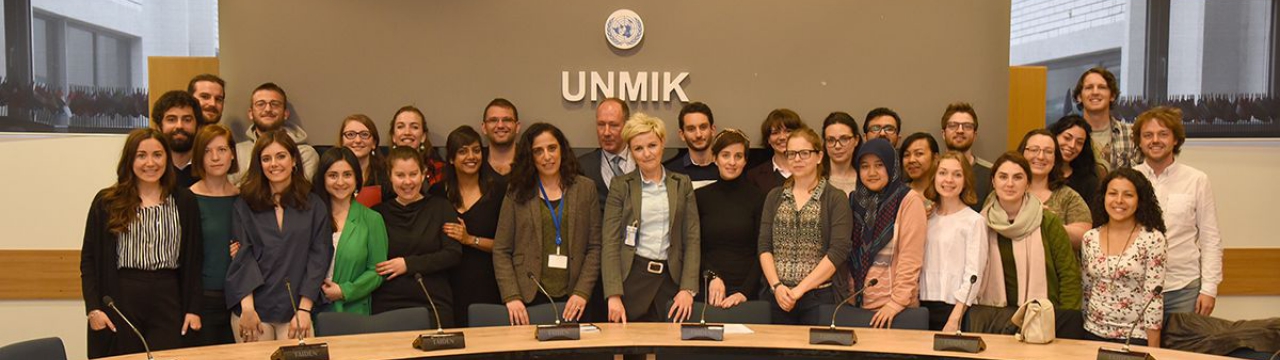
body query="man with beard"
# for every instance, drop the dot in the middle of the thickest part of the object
(697, 127)
(209, 90)
(612, 158)
(176, 115)
(501, 125)
(1113, 145)
(1194, 265)
(959, 131)
(269, 110)
(883, 122)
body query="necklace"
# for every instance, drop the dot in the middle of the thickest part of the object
(1114, 264)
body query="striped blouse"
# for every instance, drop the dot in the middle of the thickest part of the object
(153, 239)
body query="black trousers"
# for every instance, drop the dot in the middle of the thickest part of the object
(215, 322)
(939, 312)
(645, 294)
(151, 301)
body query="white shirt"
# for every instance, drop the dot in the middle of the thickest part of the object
(785, 174)
(955, 249)
(606, 172)
(1191, 216)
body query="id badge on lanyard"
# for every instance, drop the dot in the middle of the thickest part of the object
(557, 260)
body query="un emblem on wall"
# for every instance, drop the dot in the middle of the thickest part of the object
(624, 29)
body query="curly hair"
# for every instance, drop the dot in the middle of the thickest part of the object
(1148, 213)
(523, 181)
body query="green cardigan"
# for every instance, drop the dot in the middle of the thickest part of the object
(1062, 268)
(363, 244)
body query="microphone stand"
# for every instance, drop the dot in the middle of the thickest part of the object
(302, 351)
(1124, 353)
(959, 341)
(702, 330)
(559, 331)
(440, 340)
(833, 336)
(112, 304)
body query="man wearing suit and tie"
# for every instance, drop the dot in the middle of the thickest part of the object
(650, 235)
(612, 158)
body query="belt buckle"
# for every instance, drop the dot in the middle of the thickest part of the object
(656, 267)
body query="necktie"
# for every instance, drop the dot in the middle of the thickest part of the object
(615, 164)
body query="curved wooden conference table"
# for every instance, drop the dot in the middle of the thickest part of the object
(660, 338)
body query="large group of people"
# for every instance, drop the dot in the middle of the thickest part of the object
(206, 241)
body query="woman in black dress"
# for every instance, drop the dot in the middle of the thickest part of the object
(477, 197)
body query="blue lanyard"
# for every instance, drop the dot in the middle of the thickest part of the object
(557, 212)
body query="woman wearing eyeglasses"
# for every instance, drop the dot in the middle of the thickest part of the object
(840, 132)
(360, 134)
(1040, 149)
(805, 228)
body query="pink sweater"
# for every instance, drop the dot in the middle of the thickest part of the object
(897, 266)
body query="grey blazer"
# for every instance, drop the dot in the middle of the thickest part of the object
(517, 246)
(623, 207)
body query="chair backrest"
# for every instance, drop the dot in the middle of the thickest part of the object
(496, 315)
(751, 312)
(407, 319)
(46, 348)
(916, 318)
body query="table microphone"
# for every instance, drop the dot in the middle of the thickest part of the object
(302, 351)
(1124, 353)
(706, 298)
(702, 331)
(833, 336)
(440, 340)
(112, 304)
(559, 331)
(871, 283)
(1129, 335)
(439, 325)
(959, 341)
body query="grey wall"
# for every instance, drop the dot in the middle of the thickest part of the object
(745, 58)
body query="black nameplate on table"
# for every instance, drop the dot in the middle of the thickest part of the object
(558, 332)
(1121, 354)
(832, 336)
(440, 341)
(302, 352)
(958, 342)
(709, 332)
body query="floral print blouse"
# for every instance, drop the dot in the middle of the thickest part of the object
(1116, 287)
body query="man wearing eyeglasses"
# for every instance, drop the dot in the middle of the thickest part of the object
(959, 131)
(883, 123)
(501, 125)
(269, 111)
(697, 128)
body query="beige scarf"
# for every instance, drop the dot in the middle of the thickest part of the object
(1028, 253)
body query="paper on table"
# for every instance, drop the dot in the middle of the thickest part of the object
(737, 329)
(588, 328)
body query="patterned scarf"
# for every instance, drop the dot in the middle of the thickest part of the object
(874, 212)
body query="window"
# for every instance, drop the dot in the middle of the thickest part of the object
(1216, 61)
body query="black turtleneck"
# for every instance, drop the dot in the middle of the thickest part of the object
(729, 216)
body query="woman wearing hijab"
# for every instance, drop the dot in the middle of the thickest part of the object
(889, 228)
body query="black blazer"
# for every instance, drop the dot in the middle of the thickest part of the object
(98, 273)
(590, 166)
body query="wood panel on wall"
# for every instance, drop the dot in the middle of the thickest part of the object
(1026, 101)
(55, 274)
(166, 73)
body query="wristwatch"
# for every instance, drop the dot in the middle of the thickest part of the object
(475, 241)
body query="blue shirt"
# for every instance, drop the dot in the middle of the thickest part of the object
(655, 219)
